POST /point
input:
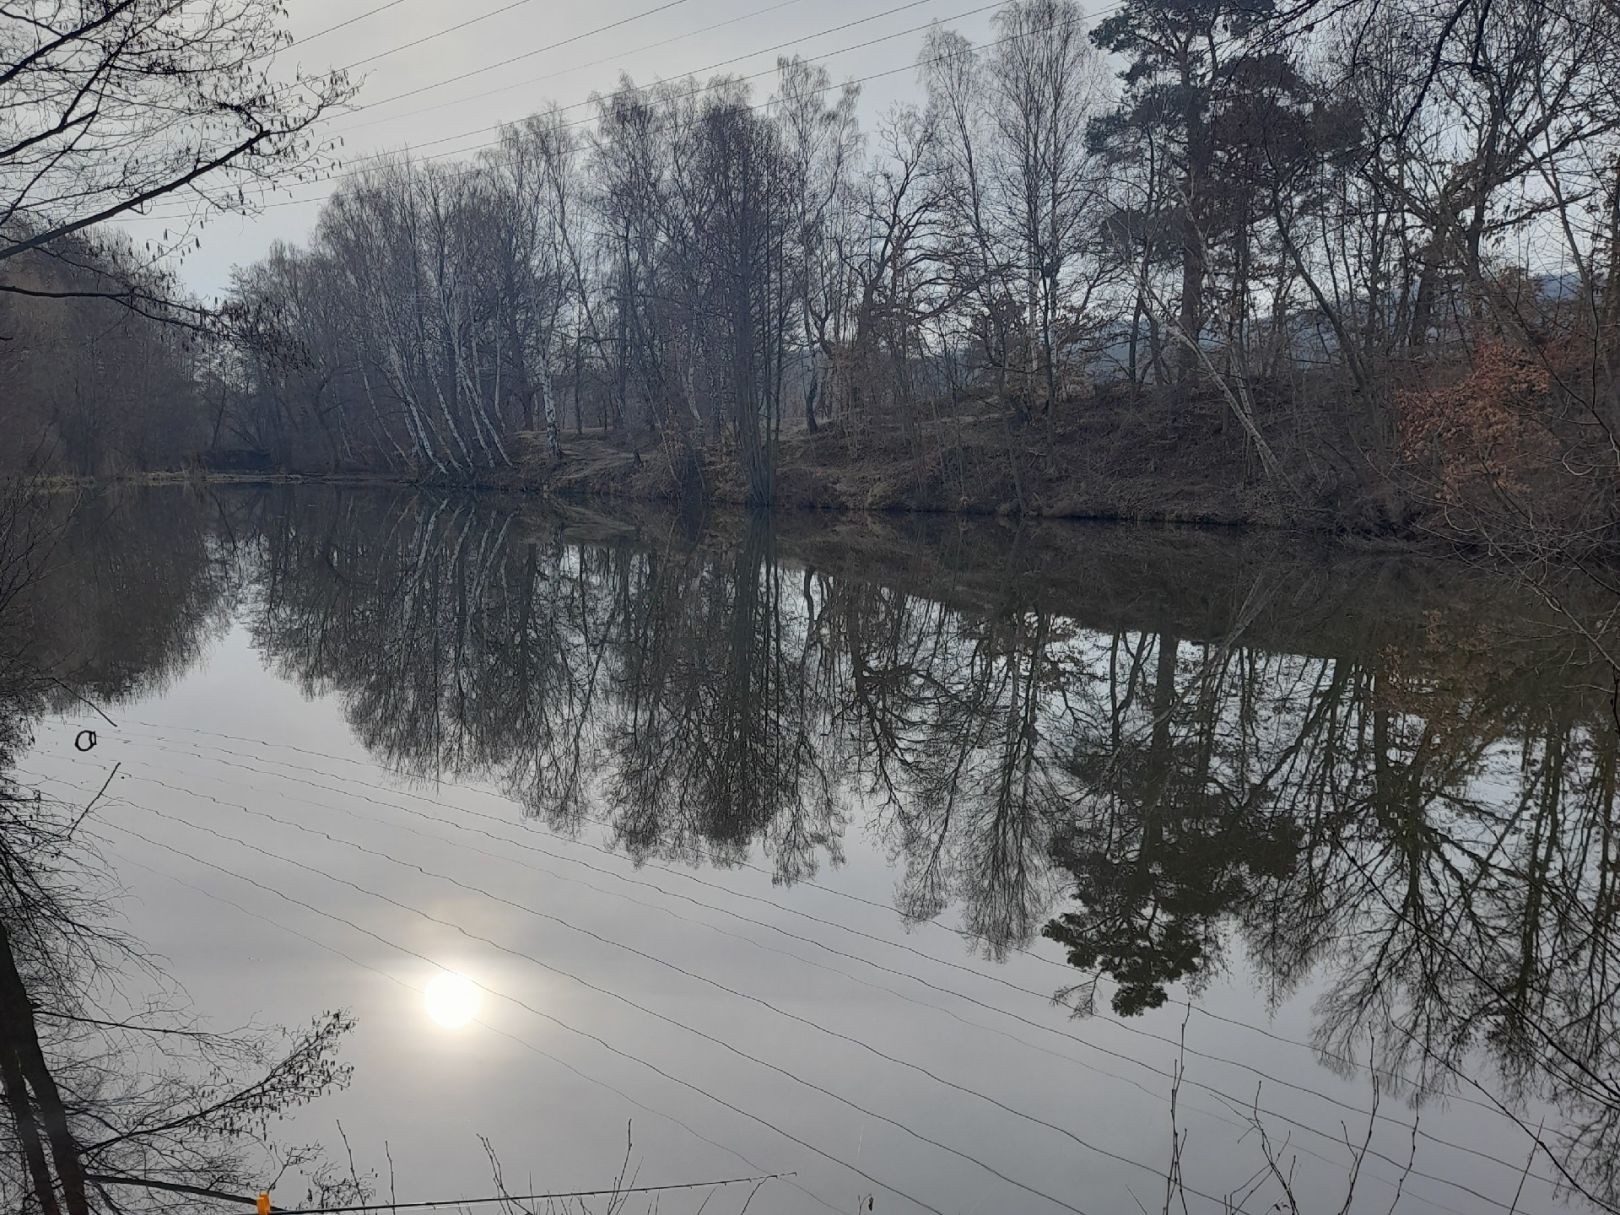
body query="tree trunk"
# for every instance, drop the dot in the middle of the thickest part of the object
(548, 400)
(22, 1050)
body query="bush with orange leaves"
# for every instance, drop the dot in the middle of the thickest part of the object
(1480, 440)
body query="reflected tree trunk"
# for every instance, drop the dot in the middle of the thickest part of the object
(32, 1095)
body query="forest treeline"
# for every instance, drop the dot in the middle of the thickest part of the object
(1350, 265)
(98, 379)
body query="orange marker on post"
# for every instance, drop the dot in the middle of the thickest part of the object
(262, 1207)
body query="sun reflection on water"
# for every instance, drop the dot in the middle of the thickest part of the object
(451, 1000)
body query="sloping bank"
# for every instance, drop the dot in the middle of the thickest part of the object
(976, 467)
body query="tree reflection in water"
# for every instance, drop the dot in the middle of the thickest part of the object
(114, 1099)
(1156, 750)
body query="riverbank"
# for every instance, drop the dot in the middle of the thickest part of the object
(988, 463)
(817, 475)
(831, 471)
(1100, 459)
(976, 466)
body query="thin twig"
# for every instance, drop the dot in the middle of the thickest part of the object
(91, 804)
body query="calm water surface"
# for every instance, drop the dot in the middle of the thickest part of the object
(915, 859)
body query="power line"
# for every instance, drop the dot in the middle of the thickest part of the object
(533, 80)
(370, 12)
(607, 821)
(979, 974)
(1606, 1093)
(332, 72)
(1126, 1027)
(686, 973)
(507, 62)
(1158, 1096)
(837, 85)
(665, 910)
(1169, 1076)
(702, 71)
(516, 1039)
(514, 1000)
(440, 1203)
(496, 12)
(504, 1198)
(721, 1043)
(696, 91)
(575, 105)
(885, 908)
(1333, 1138)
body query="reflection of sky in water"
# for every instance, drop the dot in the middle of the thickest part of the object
(553, 1070)
(546, 991)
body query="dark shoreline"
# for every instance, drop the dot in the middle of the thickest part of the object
(1218, 517)
(590, 499)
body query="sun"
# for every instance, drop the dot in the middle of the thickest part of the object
(452, 1001)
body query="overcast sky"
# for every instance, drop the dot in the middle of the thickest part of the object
(654, 39)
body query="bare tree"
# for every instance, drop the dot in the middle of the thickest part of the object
(1047, 83)
(111, 105)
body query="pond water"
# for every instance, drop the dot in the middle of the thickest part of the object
(942, 866)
